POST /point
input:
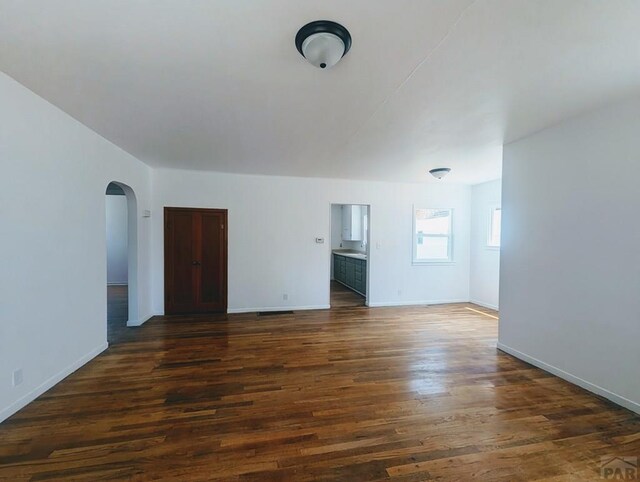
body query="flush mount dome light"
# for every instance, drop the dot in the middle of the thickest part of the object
(323, 43)
(440, 172)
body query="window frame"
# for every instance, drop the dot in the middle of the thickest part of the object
(450, 236)
(488, 244)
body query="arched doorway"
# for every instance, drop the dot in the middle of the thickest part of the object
(122, 256)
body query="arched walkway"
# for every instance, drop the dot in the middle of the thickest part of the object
(122, 259)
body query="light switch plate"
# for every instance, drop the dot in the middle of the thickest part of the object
(320, 240)
(17, 377)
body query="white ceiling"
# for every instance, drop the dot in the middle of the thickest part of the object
(219, 85)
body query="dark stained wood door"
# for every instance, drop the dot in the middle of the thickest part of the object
(195, 260)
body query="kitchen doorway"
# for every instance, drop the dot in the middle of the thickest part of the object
(349, 255)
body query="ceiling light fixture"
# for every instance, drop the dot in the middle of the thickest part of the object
(323, 43)
(440, 172)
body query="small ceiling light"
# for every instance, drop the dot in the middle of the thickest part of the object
(323, 43)
(440, 172)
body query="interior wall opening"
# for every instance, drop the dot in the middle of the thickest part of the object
(121, 242)
(349, 254)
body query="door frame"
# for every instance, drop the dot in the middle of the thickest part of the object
(367, 299)
(168, 283)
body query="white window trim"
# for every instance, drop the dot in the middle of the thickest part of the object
(488, 244)
(414, 240)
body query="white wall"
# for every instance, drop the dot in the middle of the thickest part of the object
(273, 222)
(336, 231)
(336, 226)
(117, 259)
(53, 276)
(484, 275)
(570, 268)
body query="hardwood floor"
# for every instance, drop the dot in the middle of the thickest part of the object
(343, 297)
(348, 394)
(117, 313)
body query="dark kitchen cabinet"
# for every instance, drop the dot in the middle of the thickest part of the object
(351, 272)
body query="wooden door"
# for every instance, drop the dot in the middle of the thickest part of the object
(195, 260)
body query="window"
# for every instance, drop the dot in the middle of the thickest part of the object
(495, 226)
(432, 238)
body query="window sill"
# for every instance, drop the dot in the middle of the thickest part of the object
(432, 263)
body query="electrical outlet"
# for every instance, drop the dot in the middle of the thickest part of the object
(285, 297)
(17, 377)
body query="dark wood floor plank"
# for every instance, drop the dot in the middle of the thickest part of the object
(117, 312)
(348, 394)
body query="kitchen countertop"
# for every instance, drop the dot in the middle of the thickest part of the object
(350, 253)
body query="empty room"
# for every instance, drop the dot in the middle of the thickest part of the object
(281, 240)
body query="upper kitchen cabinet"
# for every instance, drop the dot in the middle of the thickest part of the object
(352, 222)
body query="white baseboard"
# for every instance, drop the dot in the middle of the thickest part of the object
(379, 304)
(483, 304)
(139, 322)
(50, 382)
(603, 392)
(278, 308)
